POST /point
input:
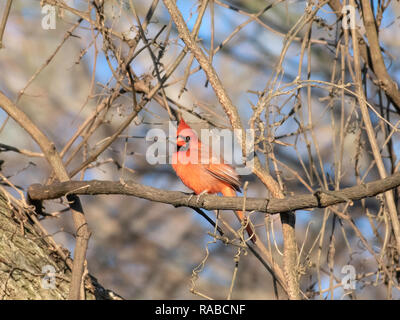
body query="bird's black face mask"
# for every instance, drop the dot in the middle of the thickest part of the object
(183, 143)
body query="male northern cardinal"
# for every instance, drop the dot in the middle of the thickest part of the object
(204, 177)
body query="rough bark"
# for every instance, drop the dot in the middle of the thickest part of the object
(23, 255)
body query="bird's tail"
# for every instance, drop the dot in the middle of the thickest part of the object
(229, 192)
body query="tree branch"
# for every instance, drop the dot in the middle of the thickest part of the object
(54, 159)
(371, 54)
(320, 199)
(368, 124)
(4, 21)
(378, 65)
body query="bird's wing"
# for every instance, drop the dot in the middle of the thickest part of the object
(225, 173)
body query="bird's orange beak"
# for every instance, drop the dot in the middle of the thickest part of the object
(180, 141)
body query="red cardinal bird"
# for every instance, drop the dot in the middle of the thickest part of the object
(204, 177)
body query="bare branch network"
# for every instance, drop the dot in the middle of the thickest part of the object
(323, 102)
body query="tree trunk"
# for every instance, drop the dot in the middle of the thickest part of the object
(25, 257)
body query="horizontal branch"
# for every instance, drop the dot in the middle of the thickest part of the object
(320, 199)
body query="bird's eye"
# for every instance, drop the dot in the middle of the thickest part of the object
(187, 139)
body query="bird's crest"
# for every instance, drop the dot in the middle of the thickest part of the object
(184, 131)
(182, 126)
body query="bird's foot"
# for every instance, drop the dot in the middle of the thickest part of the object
(198, 197)
(190, 198)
